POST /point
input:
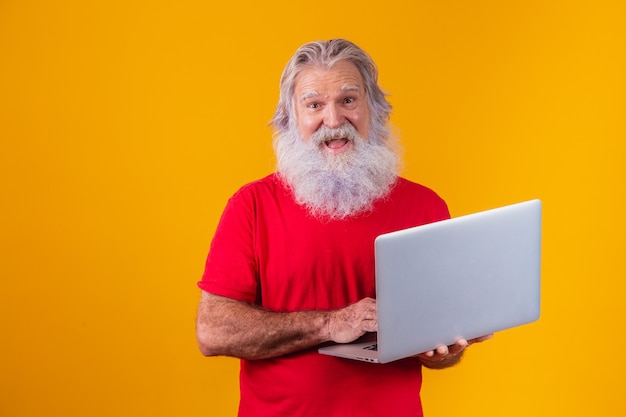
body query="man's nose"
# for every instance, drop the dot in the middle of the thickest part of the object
(333, 116)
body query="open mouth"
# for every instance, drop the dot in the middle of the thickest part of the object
(336, 143)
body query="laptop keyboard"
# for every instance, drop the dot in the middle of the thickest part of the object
(372, 347)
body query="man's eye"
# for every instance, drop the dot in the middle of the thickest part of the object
(348, 100)
(314, 106)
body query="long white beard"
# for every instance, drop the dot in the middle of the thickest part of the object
(336, 186)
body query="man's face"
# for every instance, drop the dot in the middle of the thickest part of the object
(331, 98)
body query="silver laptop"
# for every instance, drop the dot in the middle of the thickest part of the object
(459, 278)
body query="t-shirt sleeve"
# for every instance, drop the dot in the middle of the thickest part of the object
(439, 210)
(432, 207)
(231, 267)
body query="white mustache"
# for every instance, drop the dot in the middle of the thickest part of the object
(324, 134)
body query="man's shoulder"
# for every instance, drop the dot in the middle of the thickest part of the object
(269, 183)
(268, 187)
(405, 185)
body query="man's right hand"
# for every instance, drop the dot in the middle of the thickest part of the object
(349, 323)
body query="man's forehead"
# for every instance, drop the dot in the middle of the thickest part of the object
(344, 76)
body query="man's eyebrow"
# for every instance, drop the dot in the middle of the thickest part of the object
(308, 94)
(344, 89)
(351, 87)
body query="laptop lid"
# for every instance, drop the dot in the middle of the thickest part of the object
(459, 278)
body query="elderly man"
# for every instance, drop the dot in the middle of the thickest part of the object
(291, 264)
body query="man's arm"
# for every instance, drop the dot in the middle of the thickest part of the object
(233, 328)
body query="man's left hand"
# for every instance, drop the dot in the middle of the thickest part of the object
(444, 356)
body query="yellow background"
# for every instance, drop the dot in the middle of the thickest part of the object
(125, 126)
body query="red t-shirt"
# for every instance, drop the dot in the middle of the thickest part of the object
(269, 251)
